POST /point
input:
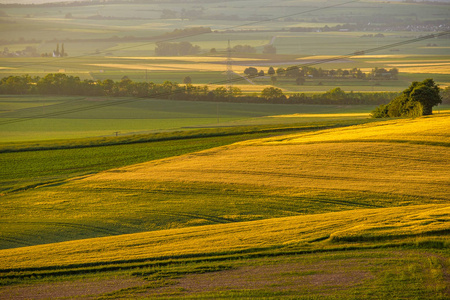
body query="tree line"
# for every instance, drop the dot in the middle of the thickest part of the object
(301, 72)
(62, 84)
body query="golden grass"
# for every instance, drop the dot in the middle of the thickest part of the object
(382, 157)
(428, 69)
(438, 63)
(322, 115)
(358, 56)
(385, 56)
(187, 58)
(173, 67)
(425, 129)
(300, 230)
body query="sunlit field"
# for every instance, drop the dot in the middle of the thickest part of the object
(141, 198)
(307, 173)
(141, 116)
(272, 205)
(324, 230)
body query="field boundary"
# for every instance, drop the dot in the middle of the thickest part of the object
(158, 137)
(252, 253)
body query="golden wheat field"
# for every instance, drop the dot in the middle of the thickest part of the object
(401, 157)
(185, 58)
(217, 67)
(388, 182)
(429, 69)
(363, 225)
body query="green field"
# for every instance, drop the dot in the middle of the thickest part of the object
(23, 116)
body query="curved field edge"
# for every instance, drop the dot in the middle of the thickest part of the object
(320, 232)
(429, 130)
(31, 164)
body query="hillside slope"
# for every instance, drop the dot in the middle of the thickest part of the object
(321, 231)
(387, 157)
(385, 164)
(354, 213)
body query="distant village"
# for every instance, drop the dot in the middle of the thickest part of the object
(30, 51)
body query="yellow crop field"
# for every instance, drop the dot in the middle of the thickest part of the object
(322, 115)
(172, 67)
(445, 69)
(382, 157)
(361, 226)
(438, 63)
(345, 191)
(314, 57)
(187, 58)
(425, 129)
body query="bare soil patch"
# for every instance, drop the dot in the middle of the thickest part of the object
(319, 278)
(83, 289)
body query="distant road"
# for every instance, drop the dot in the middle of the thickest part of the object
(272, 40)
(244, 77)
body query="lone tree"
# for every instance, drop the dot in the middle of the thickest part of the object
(187, 80)
(251, 72)
(427, 93)
(272, 93)
(269, 49)
(273, 79)
(417, 100)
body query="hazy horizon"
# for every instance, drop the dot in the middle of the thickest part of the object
(55, 1)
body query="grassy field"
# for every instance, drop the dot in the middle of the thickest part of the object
(195, 200)
(139, 116)
(236, 260)
(306, 173)
(270, 208)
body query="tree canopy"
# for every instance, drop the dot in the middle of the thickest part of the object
(417, 100)
(62, 84)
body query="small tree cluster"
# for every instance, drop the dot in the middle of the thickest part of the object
(272, 93)
(243, 49)
(269, 49)
(417, 100)
(445, 95)
(176, 49)
(57, 52)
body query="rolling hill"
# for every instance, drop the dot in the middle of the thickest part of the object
(361, 197)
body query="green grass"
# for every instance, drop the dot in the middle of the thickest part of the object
(135, 116)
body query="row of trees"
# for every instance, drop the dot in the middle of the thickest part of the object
(61, 84)
(296, 72)
(176, 49)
